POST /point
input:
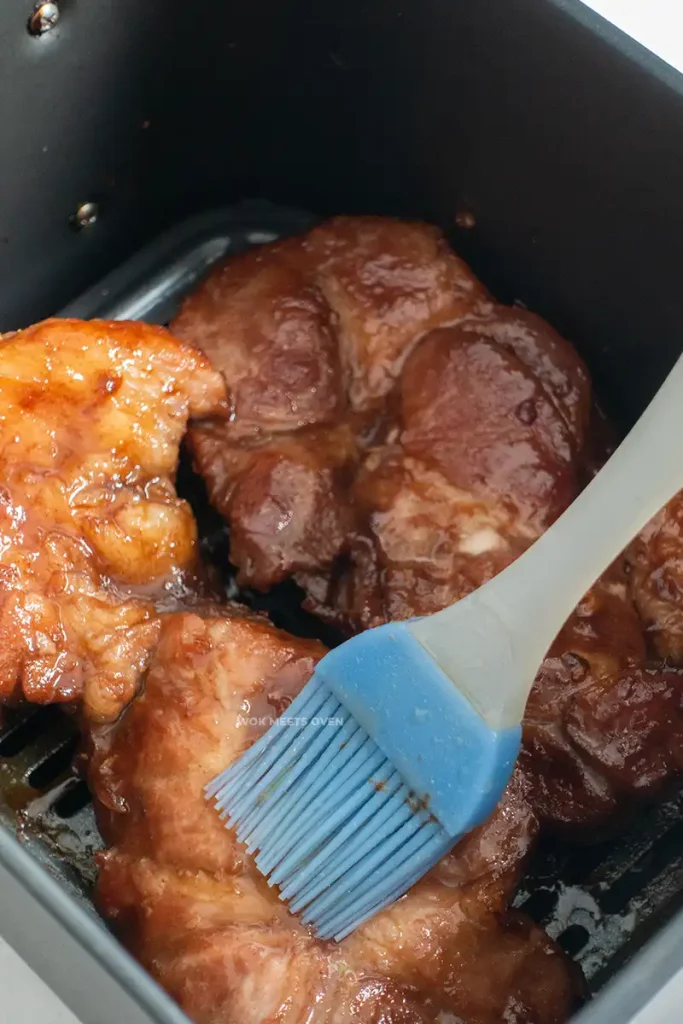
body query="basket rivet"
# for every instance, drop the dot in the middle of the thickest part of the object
(465, 219)
(43, 19)
(85, 215)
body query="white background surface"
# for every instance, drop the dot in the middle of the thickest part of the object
(658, 24)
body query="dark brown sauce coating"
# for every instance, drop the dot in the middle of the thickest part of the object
(655, 563)
(551, 359)
(93, 536)
(474, 412)
(284, 494)
(283, 364)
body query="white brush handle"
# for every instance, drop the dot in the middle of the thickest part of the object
(492, 643)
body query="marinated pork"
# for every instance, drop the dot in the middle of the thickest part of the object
(94, 539)
(191, 905)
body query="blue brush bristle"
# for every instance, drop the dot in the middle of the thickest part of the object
(375, 770)
(338, 856)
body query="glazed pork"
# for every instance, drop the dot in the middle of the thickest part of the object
(603, 728)
(411, 436)
(655, 565)
(311, 334)
(442, 434)
(93, 537)
(190, 904)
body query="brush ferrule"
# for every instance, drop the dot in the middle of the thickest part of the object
(454, 763)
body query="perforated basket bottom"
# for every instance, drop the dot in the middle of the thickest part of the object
(601, 902)
(42, 797)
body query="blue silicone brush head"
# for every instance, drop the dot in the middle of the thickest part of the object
(375, 771)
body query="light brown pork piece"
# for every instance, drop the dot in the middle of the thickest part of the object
(193, 908)
(93, 538)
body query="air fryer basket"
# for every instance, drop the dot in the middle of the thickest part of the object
(600, 902)
(561, 140)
